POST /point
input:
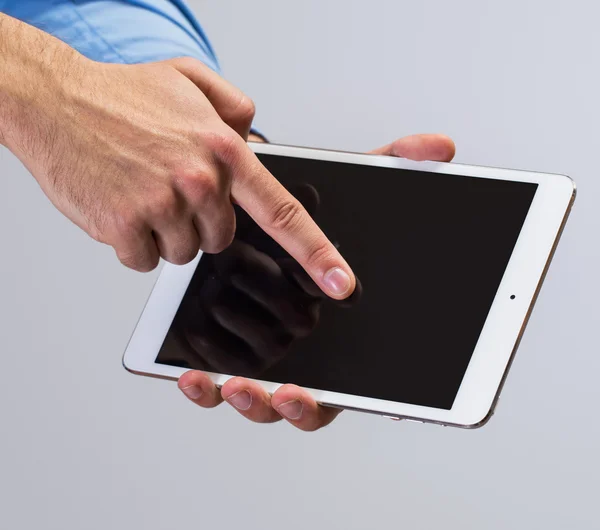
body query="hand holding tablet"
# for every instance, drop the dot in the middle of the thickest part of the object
(450, 258)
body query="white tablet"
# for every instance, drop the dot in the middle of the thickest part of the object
(450, 260)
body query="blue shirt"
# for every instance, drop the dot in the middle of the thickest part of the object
(119, 31)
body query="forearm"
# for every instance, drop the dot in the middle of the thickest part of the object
(32, 67)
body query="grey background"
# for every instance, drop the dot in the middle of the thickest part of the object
(86, 445)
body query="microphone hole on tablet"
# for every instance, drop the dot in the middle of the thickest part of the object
(512, 297)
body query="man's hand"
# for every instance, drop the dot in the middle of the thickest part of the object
(148, 158)
(291, 402)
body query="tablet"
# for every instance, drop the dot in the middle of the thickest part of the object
(449, 258)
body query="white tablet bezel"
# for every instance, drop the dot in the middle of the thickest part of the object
(501, 333)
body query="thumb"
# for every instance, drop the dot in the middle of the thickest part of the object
(234, 107)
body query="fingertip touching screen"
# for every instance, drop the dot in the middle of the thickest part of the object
(429, 251)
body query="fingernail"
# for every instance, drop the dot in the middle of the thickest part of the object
(337, 281)
(292, 409)
(241, 400)
(192, 391)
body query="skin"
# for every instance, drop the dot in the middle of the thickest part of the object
(150, 159)
(291, 402)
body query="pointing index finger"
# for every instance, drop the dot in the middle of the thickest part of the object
(284, 218)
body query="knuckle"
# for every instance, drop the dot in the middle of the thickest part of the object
(318, 253)
(184, 254)
(221, 240)
(129, 261)
(136, 262)
(285, 216)
(225, 144)
(126, 222)
(198, 185)
(150, 264)
(219, 245)
(246, 109)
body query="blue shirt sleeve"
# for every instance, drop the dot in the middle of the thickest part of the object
(120, 31)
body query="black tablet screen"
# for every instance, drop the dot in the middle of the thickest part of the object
(429, 250)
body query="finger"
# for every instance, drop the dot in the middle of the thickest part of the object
(233, 106)
(284, 218)
(421, 147)
(308, 196)
(216, 224)
(177, 242)
(250, 399)
(138, 250)
(292, 269)
(299, 408)
(200, 389)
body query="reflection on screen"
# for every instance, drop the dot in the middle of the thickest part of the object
(429, 251)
